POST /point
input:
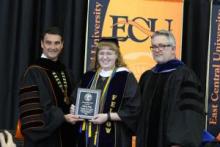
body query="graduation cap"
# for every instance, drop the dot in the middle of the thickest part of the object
(109, 39)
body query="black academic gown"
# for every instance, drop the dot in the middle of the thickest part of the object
(123, 85)
(172, 109)
(42, 106)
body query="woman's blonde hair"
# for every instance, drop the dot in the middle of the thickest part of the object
(112, 43)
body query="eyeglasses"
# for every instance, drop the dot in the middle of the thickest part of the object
(160, 47)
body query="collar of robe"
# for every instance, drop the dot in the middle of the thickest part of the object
(168, 66)
(105, 74)
(51, 65)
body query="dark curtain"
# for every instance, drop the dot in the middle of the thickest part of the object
(196, 36)
(22, 21)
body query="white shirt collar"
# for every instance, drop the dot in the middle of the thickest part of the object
(43, 56)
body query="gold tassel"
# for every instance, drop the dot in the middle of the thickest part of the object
(84, 126)
(90, 129)
(95, 137)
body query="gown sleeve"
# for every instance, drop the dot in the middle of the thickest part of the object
(186, 122)
(39, 115)
(130, 106)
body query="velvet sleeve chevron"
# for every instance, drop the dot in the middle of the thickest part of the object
(187, 113)
(39, 116)
(191, 97)
(30, 109)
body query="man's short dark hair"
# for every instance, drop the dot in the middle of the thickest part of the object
(52, 30)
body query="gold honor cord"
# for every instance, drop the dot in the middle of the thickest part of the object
(63, 86)
(103, 96)
(102, 100)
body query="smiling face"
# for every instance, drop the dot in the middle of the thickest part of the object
(52, 46)
(162, 49)
(106, 58)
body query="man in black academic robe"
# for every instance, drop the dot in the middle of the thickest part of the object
(172, 112)
(45, 101)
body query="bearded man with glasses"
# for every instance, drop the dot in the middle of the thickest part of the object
(172, 112)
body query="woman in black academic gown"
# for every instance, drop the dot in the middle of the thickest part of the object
(115, 123)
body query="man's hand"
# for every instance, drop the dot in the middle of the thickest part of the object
(72, 118)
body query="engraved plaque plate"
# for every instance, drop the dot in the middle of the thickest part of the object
(87, 103)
